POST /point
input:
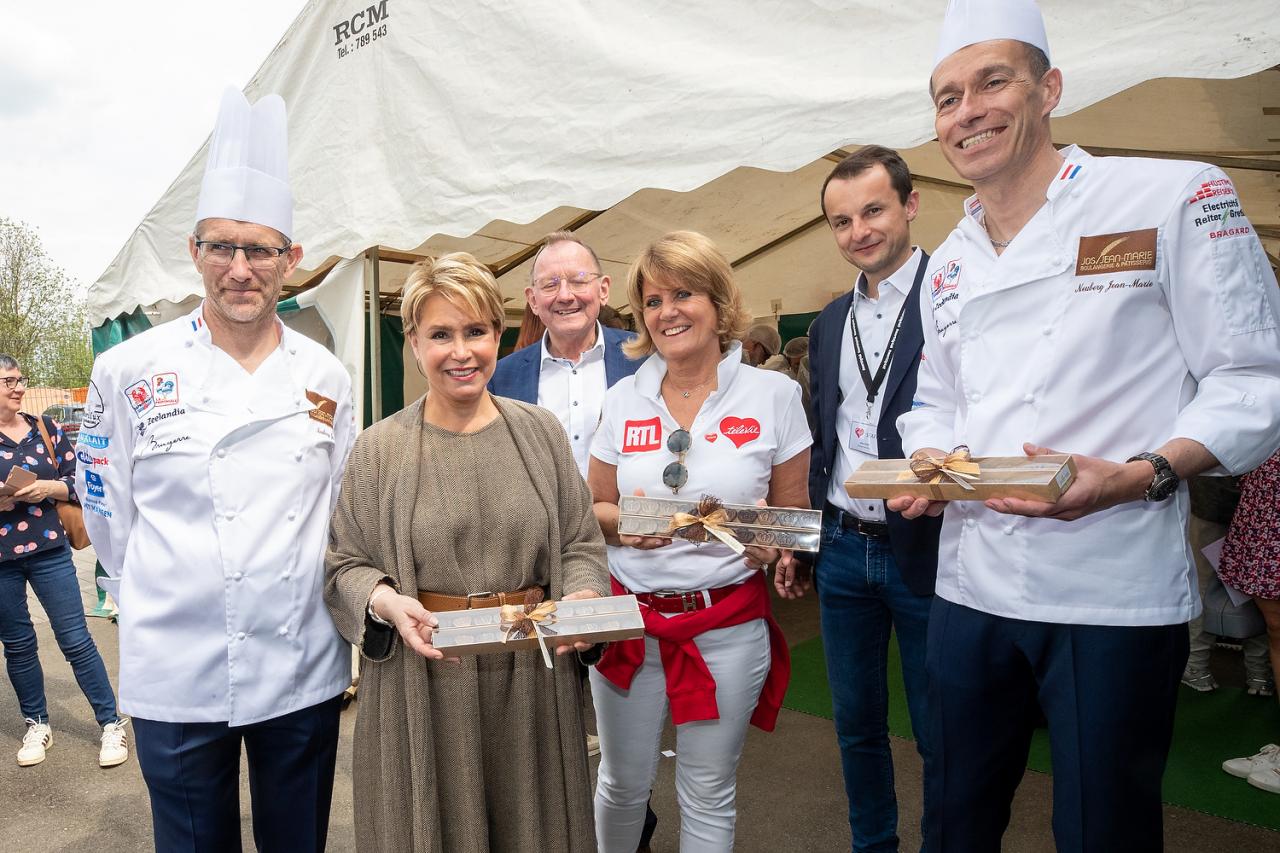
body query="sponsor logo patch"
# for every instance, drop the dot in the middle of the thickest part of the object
(712, 436)
(93, 409)
(1210, 189)
(740, 430)
(945, 278)
(143, 426)
(166, 388)
(324, 409)
(85, 458)
(94, 483)
(97, 442)
(140, 397)
(1113, 253)
(642, 436)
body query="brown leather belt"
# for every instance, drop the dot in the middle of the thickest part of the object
(435, 601)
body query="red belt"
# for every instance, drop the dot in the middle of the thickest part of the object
(671, 601)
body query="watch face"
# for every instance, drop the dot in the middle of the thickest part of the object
(1162, 488)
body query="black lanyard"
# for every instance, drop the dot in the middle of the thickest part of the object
(873, 383)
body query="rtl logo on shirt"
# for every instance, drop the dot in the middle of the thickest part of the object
(642, 436)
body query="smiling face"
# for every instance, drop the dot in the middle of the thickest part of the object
(455, 350)
(992, 114)
(238, 294)
(567, 314)
(681, 321)
(871, 224)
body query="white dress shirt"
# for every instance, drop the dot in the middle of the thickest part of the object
(876, 318)
(1135, 307)
(574, 391)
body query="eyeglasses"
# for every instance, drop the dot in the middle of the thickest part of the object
(12, 382)
(676, 474)
(221, 254)
(578, 282)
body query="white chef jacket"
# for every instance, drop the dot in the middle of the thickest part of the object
(752, 421)
(210, 515)
(574, 391)
(876, 318)
(1135, 307)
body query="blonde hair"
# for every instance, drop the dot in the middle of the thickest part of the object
(690, 260)
(458, 277)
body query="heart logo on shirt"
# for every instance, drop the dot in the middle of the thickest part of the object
(859, 431)
(711, 437)
(740, 430)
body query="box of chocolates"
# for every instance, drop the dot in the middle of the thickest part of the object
(705, 519)
(960, 477)
(485, 630)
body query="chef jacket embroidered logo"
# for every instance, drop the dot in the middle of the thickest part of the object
(324, 409)
(740, 430)
(166, 389)
(97, 442)
(1122, 252)
(140, 397)
(87, 459)
(94, 482)
(946, 278)
(1209, 189)
(642, 436)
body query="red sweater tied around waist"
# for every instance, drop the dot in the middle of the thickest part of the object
(691, 689)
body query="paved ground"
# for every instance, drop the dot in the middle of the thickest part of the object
(790, 793)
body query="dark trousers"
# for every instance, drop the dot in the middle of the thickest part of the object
(861, 597)
(192, 771)
(1108, 694)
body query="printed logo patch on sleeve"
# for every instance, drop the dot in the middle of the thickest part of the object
(1121, 252)
(324, 409)
(140, 397)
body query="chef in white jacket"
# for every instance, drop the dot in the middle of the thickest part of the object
(219, 441)
(1118, 309)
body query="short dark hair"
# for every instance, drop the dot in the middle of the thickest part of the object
(1037, 62)
(863, 159)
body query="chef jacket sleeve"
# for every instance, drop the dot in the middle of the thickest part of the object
(106, 491)
(930, 422)
(344, 436)
(1226, 313)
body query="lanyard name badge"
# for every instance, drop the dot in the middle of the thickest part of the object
(863, 432)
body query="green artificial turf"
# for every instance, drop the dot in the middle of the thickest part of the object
(1209, 728)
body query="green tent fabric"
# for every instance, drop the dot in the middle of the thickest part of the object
(122, 328)
(795, 325)
(392, 369)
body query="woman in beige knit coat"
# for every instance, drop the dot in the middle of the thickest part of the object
(462, 498)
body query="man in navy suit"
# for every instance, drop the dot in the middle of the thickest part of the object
(876, 570)
(577, 359)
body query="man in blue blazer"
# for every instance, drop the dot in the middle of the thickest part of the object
(876, 570)
(577, 359)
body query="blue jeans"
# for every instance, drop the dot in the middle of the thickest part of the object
(53, 578)
(861, 597)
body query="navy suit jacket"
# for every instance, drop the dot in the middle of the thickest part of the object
(517, 374)
(915, 542)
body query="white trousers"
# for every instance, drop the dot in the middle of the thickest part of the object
(630, 724)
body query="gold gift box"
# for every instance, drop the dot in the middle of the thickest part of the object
(769, 526)
(593, 620)
(1036, 478)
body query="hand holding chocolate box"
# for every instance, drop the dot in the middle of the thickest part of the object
(676, 518)
(958, 477)
(486, 630)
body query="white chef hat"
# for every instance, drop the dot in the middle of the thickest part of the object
(247, 174)
(971, 21)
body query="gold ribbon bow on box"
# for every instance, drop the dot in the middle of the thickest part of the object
(711, 517)
(532, 620)
(957, 466)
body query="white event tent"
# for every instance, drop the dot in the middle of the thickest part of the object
(418, 128)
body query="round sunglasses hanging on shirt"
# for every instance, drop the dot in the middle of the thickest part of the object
(675, 475)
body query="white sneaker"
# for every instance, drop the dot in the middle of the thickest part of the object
(115, 746)
(38, 738)
(1266, 758)
(1268, 779)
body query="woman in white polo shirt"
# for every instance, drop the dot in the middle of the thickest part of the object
(693, 420)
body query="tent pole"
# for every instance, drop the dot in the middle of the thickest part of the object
(375, 332)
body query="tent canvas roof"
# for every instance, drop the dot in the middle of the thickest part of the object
(482, 126)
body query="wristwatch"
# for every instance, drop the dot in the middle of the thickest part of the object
(1166, 480)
